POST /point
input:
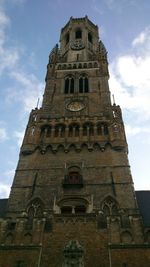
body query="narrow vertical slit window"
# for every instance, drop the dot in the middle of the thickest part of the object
(67, 86)
(86, 85)
(71, 86)
(81, 85)
(90, 39)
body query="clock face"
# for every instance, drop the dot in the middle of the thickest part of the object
(77, 45)
(75, 106)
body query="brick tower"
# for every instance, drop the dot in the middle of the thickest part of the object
(72, 201)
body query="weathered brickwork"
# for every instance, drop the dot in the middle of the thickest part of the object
(72, 201)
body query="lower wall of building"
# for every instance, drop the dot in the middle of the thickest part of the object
(19, 256)
(48, 250)
(131, 257)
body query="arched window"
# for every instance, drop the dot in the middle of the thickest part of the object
(49, 130)
(35, 209)
(60, 130)
(90, 38)
(78, 34)
(56, 131)
(73, 178)
(102, 129)
(88, 129)
(74, 130)
(73, 205)
(66, 210)
(99, 129)
(83, 84)
(110, 207)
(69, 85)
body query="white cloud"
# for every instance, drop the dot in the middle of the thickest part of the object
(9, 173)
(130, 78)
(27, 91)
(143, 38)
(19, 136)
(4, 190)
(27, 88)
(3, 135)
(134, 130)
(9, 56)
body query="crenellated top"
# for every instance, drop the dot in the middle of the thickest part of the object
(77, 20)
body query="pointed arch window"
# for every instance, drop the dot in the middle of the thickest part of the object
(110, 207)
(102, 129)
(78, 34)
(73, 178)
(60, 130)
(88, 129)
(74, 130)
(69, 85)
(35, 209)
(83, 84)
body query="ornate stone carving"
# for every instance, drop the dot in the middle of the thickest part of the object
(73, 254)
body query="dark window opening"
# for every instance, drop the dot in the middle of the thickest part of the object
(80, 209)
(72, 86)
(73, 180)
(20, 264)
(91, 130)
(11, 225)
(81, 85)
(74, 177)
(69, 86)
(62, 134)
(99, 129)
(102, 129)
(78, 34)
(70, 131)
(77, 130)
(105, 129)
(48, 132)
(84, 130)
(48, 226)
(56, 131)
(66, 210)
(74, 130)
(90, 39)
(86, 85)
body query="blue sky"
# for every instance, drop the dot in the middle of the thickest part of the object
(29, 29)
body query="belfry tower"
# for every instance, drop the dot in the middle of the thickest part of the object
(72, 201)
